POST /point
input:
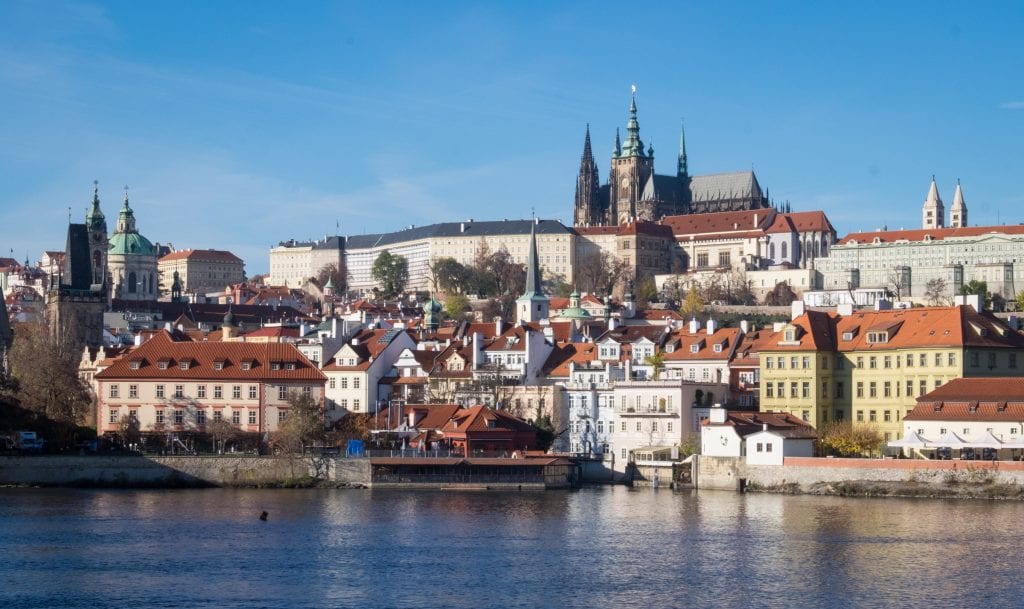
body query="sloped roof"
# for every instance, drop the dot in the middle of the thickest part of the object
(936, 234)
(558, 361)
(734, 184)
(742, 223)
(781, 423)
(476, 418)
(683, 342)
(202, 357)
(201, 256)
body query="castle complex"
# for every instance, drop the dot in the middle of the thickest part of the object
(635, 192)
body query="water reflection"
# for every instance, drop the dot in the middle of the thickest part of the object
(598, 547)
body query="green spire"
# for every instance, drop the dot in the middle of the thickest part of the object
(633, 146)
(682, 170)
(618, 144)
(94, 217)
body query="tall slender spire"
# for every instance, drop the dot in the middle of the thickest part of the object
(933, 211)
(633, 146)
(94, 217)
(682, 170)
(533, 264)
(532, 306)
(618, 144)
(588, 185)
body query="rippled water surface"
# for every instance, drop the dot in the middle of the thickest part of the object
(602, 547)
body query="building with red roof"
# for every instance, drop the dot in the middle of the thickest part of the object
(200, 271)
(171, 384)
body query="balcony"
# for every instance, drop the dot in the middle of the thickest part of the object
(647, 410)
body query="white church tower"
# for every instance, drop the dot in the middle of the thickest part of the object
(933, 214)
(958, 211)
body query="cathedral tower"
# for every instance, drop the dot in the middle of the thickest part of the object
(933, 213)
(632, 166)
(958, 211)
(588, 210)
(96, 224)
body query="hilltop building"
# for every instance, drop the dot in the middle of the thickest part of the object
(200, 271)
(131, 259)
(635, 192)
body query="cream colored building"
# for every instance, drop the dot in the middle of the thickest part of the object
(293, 262)
(200, 271)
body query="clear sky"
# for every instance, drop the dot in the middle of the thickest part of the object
(241, 124)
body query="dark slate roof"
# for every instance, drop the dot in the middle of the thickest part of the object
(470, 228)
(211, 313)
(77, 267)
(736, 184)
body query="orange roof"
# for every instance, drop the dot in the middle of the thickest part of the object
(720, 222)
(683, 342)
(370, 344)
(561, 356)
(201, 256)
(973, 399)
(202, 359)
(477, 418)
(891, 236)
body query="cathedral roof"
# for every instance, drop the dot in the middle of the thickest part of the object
(735, 184)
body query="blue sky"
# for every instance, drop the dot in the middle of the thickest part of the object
(238, 125)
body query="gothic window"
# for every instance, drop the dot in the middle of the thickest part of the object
(784, 252)
(771, 251)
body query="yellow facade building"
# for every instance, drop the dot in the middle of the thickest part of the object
(871, 366)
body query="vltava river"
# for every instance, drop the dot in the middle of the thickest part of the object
(601, 547)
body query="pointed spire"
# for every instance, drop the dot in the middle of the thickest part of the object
(587, 161)
(533, 264)
(94, 217)
(682, 170)
(633, 146)
(933, 211)
(933, 192)
(618, 144)
(958, 210)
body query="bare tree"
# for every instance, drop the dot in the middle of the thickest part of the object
(598, 272)
(44, 366)
(304, 424)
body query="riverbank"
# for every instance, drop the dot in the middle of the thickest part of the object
(865, 477)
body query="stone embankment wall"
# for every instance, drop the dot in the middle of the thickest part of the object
(140, 471)
(810, 474)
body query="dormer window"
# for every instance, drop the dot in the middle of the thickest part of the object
(718, 348)
(878, 337)
(247, 365)
(275, 365)
(184, 364)
(290, 366)
(694, 347)
(135, 364)
(163, 364)
(218, 365)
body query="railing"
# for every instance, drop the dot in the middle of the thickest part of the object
(412, 453)
(648, 410)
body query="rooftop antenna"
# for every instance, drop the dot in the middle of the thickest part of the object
(69, 214)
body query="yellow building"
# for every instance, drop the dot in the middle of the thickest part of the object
(871, 366)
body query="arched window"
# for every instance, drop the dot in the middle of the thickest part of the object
(771, 251)
(784, 252)
(817, 249)
(131, 282)
(151, 291)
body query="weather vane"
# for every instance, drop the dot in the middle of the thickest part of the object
(634, 89)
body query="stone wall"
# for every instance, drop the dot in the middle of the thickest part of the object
(139, 471)
(802, 474)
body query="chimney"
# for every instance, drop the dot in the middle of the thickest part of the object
(478, 350)
(764, 427)
(797, 309)
(718, 414)
(756, 223)
(612, 323)
(167, 326)
(138, 340)
(497, 326)
(744, 327)
(694, 326)
(845, 309)
(355, 341)
(711, 326)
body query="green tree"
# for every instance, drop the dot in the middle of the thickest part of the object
(977, 287)
(449, 275)
(391, 271)
(456, 305)
(656, 362)
(335, 274)
(646, 291)
(692, 306)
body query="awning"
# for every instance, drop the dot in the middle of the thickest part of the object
(910, 440)
(985, 440)
(948, 440)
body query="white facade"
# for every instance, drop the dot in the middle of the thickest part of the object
(769, 448)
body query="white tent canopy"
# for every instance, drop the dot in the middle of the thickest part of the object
(910, 440)
(948, 440)
(985, 440)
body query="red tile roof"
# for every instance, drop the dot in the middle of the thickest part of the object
(203, 356)
(782, 423)
(201, 255)
(937, 234)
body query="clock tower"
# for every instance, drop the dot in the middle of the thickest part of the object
(631, 168)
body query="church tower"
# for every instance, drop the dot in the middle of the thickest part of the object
(632, 167)
(96, 224)
(588, 211)
(933, 214)
(532, 306)
(958, 211)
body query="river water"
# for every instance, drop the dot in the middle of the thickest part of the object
(598, 547)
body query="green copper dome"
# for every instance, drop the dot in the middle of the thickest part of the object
(131, 243)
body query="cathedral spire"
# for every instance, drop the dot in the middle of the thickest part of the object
(532, 264)
(633, 146)
(586, 209)
(618, 144)
(588, 156)
(532, 306)
(681, 169)
(933, 212)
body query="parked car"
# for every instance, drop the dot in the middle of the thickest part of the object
(28, 442)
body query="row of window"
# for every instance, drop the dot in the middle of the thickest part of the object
(342, 382)
(178, 416)
(890, 361)
(803, 389)
(218, 392)
(584, 426)
(887, 416)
